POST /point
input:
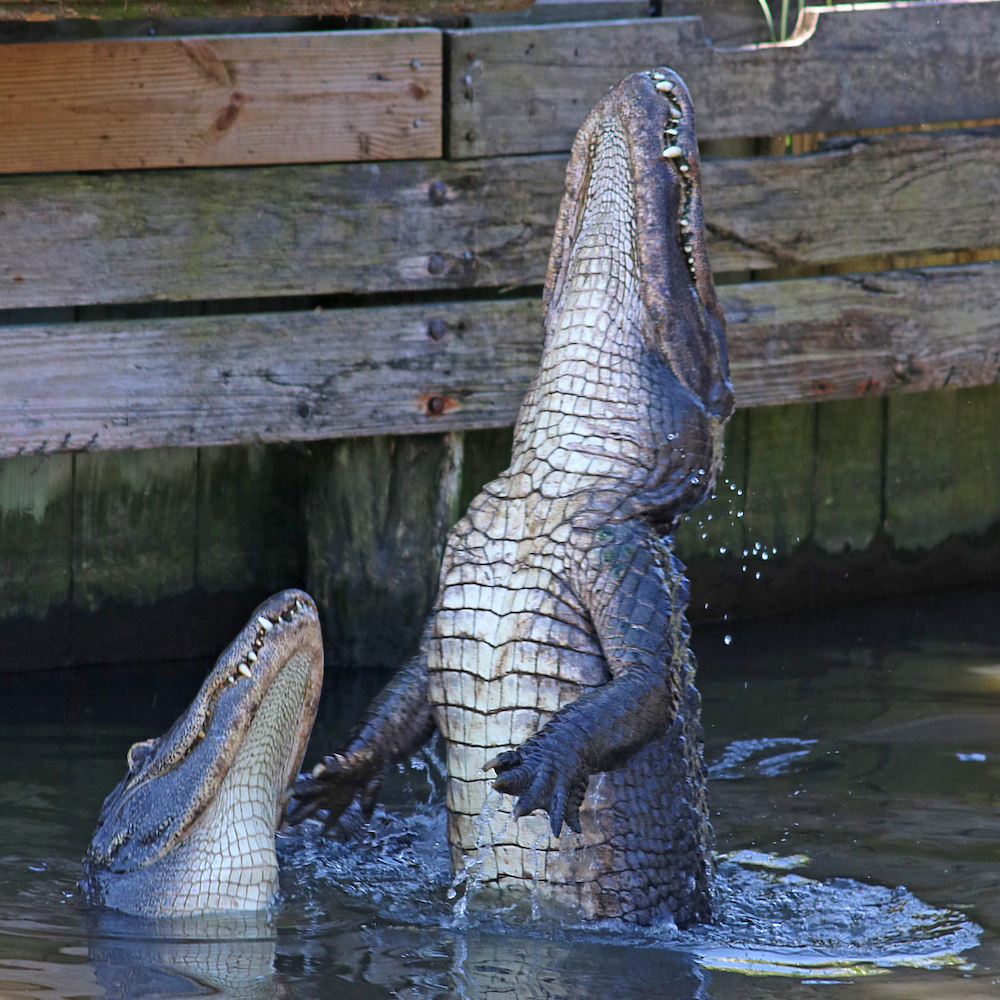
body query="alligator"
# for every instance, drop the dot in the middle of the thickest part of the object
(557, 653)
(190, 828)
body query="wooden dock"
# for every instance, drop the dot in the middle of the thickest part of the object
(269, 303)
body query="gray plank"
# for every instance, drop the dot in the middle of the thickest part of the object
(527, 89)
(358, 372)
(853, 335)
(298, 230)
(378, 511)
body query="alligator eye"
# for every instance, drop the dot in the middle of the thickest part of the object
(138, 753)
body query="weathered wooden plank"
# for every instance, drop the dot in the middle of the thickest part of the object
(378, 513)
(528, 89)
(848, 474)
(228, 233)
(302, 376)
(278, 376)
(715, 529)
(220, 99)
(35, 534)
(134, 528)
(864, 334)
(251, 533)
(779, 491)
(942, 474)
(35, 10)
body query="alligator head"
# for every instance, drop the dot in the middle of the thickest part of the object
(190, 829)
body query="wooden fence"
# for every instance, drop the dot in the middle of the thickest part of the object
(376, 319)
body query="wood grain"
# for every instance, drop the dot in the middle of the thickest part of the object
(47, 10)
(365, 227)
(528, 89)
(220, 99)
(351, 372)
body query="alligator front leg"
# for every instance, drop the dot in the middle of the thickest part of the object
(636, 593)
(397, 723)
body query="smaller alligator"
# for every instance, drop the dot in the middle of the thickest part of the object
(190, 829)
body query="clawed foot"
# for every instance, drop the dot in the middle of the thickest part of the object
(332, 787)
(543, 776)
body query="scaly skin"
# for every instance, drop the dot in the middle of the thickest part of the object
(190, 829)
(557, 653)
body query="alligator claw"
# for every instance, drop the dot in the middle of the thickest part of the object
(554, 781)
(333, 786)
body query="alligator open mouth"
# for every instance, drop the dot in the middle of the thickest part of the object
(190, 828)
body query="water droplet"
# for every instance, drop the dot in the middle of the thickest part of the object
(728, 639)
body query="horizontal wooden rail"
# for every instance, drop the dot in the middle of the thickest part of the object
(220, 99)
(407, 369)
(419, 225)
(527, 89)
(39, 10)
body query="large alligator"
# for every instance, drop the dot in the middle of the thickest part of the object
(557, 651)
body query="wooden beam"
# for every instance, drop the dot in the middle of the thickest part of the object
(220, 99)
(418, 225)
(47, 10)
(528, 89)
(413, 369)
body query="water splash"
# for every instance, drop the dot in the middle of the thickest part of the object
(737, 759)
(472, 874)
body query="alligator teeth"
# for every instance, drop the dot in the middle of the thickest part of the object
(244, 670)
(673, 151)
(265, 624)
(299, 606)
(672, 132)
(684, 168)
(201, 734)
(658, 76)
(665, 86)
(252, 656)
(231, 678)
(319, 770)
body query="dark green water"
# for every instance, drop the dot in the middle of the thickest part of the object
(859, 751)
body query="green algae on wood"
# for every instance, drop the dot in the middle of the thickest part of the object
(378, 512)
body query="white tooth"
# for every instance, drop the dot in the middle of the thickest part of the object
(671, 131)
(318, 771)
(684, 168)
(252, 656)
(659, 76)
(244, 670)
(673, 151)
(232, 680)
(265, 624)
(201, 734)
(665, 86)
(299, 606)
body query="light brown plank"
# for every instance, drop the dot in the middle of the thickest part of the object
(39, 10)
(220, 99)
(362, 227)
(528, 89)
(299, 376)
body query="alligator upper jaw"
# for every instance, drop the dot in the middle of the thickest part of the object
(259, 701)
(651, 113)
